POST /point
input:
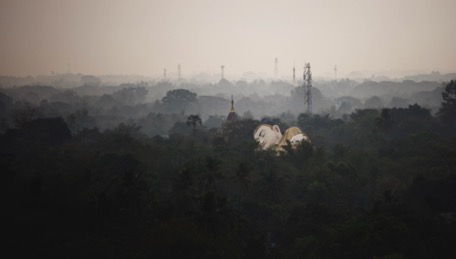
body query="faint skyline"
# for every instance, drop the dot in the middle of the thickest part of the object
(145, 37)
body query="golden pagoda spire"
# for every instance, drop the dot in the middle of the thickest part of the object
(232, 116)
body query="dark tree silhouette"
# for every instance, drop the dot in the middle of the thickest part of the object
(242, 173)
(273, 184)
(193, 120)
(447, 111)
(26, 114)
(178, 100)
(179, 96)
(384, 122)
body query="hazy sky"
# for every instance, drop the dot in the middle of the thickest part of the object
(145, 36)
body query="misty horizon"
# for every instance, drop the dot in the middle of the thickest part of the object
(249, 76)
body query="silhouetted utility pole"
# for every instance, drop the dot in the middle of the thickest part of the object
(294, 75)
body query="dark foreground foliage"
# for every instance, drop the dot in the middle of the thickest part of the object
(377, 184)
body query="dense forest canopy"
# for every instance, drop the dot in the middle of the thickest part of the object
(154, 170)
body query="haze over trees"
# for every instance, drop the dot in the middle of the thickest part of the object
(154, 170)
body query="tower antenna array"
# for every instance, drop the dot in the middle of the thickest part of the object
(308, 87)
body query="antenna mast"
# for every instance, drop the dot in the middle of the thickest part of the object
(308, 87)
(294, 75)
(223, 73)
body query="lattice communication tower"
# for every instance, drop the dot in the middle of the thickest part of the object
(308, 87)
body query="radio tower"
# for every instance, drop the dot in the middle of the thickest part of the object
(164, 74)
(276, 68)
(335, 73)
(223, 74)
(308, 87)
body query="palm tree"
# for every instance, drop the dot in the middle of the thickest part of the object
(210, 174)
(193, 120)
